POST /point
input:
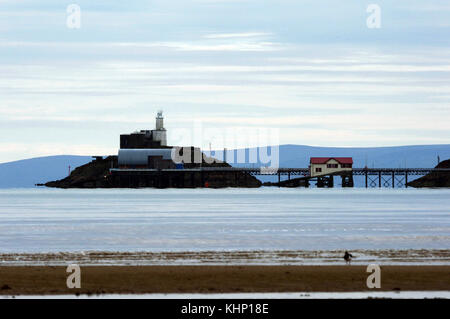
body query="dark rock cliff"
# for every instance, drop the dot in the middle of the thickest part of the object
(91, 175)
(96, 174)
(434, 179)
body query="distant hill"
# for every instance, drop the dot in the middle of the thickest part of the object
(418, 156)
(26, 173)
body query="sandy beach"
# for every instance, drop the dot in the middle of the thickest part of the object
(44, 280)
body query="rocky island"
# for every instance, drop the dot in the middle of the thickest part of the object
(145, 160)
(434, 179)
(97, 174)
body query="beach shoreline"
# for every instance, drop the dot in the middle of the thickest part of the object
(436, 257)
(97, 280)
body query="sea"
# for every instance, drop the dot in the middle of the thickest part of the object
(43, 220)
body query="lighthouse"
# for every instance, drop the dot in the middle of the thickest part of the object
(156, 138)
(159, 133)
(159, 121)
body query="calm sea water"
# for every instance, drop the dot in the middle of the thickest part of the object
(49, 220)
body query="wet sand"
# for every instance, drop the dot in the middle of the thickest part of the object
(217, 258)
(40, 280)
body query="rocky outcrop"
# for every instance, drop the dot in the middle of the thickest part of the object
(96, 174)
(91, 175)
(434, 179)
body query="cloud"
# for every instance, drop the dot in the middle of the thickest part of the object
(312, 70)
(238, 35)
(180, 46)
(421, 7)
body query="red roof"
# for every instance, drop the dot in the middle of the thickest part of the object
(324, 160)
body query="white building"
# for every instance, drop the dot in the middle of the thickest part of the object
(160, 133)
(328, 165)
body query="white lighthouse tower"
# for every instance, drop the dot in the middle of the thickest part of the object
(159, 133)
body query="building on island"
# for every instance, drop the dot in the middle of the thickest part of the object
(148, 149)
(145, 160)
(155, 158)
(329, 165)
(156, 138)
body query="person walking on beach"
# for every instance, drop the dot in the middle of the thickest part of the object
(348, 257)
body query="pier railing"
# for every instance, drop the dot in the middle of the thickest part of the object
(373, 177)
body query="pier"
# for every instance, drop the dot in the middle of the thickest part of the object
(373, 177)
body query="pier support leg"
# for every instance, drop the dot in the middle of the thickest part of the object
(347, 180)
(393, 179)
(366, 179)
(406, 179)
(379, 179)
(319, 183)
(279, 179)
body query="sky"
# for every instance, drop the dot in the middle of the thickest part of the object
(225, 72)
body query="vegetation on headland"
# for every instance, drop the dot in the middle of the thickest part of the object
(91, 175)
(434, 179)
(96, 174)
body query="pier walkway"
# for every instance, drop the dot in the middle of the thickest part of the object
(373, 177)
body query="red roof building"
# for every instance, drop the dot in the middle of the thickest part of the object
(324, 160)
(329, 165)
